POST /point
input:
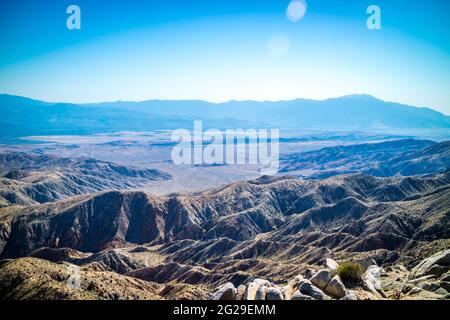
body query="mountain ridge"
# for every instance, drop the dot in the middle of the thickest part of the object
(403, 157)
(30, 179)
(348, 96)
(250, 209)
(350, 112)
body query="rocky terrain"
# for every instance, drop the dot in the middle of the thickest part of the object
(280, 229)
(31, 179)
(31, 278)
(430, 279)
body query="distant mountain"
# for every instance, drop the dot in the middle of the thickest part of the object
(22, 116)
(434, 158)
(32, 179)
(350, 112)
(404, 157)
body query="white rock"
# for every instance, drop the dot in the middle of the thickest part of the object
(262, 282)
(371, 282)
(421, 279)
(441, 258)
(226, 291)
(331, 264)
(321, 278)
(240, 292)
(250, 291)
(286, 291)
(261, 293)
(336, 288)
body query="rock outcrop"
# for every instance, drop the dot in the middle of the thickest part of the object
(225, 292)
(422, 282)
(321, 278)
(371, 280)
(336, 288)
(435, 265)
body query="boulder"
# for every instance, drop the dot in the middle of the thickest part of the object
(240, 292)
(309, 289)
(371, 282)
(262, 282)
(309, 273)
(250, 291)
(291, 286)
(226, 291)
(321, 278)
(274, 294)
(261, 293)
(300, 296)
(425, 266)
(331, 264)
(336, 288)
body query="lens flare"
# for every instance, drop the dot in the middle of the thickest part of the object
(296, 10)
(278, 45)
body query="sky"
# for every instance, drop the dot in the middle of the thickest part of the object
(220, 50)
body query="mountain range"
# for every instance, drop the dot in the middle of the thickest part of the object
(22, 116)
(273, 228)
(404, 157)
(27, 179)
(383, 206)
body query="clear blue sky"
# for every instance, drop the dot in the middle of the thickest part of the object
(220, 50)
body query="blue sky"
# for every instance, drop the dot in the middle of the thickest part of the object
(220, 50)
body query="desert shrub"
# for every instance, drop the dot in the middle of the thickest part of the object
(350, 271)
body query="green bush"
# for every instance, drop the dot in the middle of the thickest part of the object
(350, 271)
